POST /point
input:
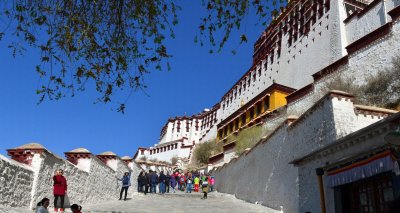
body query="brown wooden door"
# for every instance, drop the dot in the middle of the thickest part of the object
(372, 195)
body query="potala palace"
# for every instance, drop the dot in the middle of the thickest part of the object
(325, 153)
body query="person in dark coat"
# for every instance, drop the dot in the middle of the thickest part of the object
(126, 182)
(161, 181)
(148, 177)
(59, 189)
(167, 180)
(145, 182)
(139, 183)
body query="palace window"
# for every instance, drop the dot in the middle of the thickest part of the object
(327, 5)
(259, 71)
(258, 110)
(251, 113)
(243, 119)
(248, 80)
(271, 58)
(254, 76)
(266, 103)
(244, 84)
(237, 124)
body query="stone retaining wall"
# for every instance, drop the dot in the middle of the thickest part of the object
(24, 185)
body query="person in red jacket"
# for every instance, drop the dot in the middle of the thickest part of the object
(59, 189)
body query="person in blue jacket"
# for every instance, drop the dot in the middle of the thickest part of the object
(154, 182)
(126, 182)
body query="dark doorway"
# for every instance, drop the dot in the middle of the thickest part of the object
(371, 195)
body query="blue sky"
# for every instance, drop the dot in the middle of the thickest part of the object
(196, 81)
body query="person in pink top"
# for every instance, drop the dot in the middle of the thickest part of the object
(212, 182)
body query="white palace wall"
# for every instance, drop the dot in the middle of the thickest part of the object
(25, 185)
(16, 182)
(264, 173)
(324, 44)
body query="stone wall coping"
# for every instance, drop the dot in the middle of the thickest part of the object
(216, 157)
(350, 139)
(126, 158)
(332, 93)
(108, 153)
(78, 151)
(369, 38)
(152, 163)
(229, 146)
(374, 109)
(31, 146)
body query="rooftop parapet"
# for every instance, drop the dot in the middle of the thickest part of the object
(25, 153)
(80, 153)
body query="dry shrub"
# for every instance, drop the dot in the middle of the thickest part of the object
(248, 137)
(174, 160)
(381, 90)
(204, 151)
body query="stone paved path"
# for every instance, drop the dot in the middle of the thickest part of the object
(179, 203)
(171, 203)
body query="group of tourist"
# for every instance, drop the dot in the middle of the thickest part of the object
(59, 192)
(148, 182)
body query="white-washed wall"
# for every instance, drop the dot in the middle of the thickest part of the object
(390, 4)
(358, 26)
(264, 174)
(229, 154)
(325, 44)
(46, 164)
(374, 58)
(16, 181)
(258, 176)
(24, 186)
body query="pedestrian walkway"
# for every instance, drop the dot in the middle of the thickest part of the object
(178, 202)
